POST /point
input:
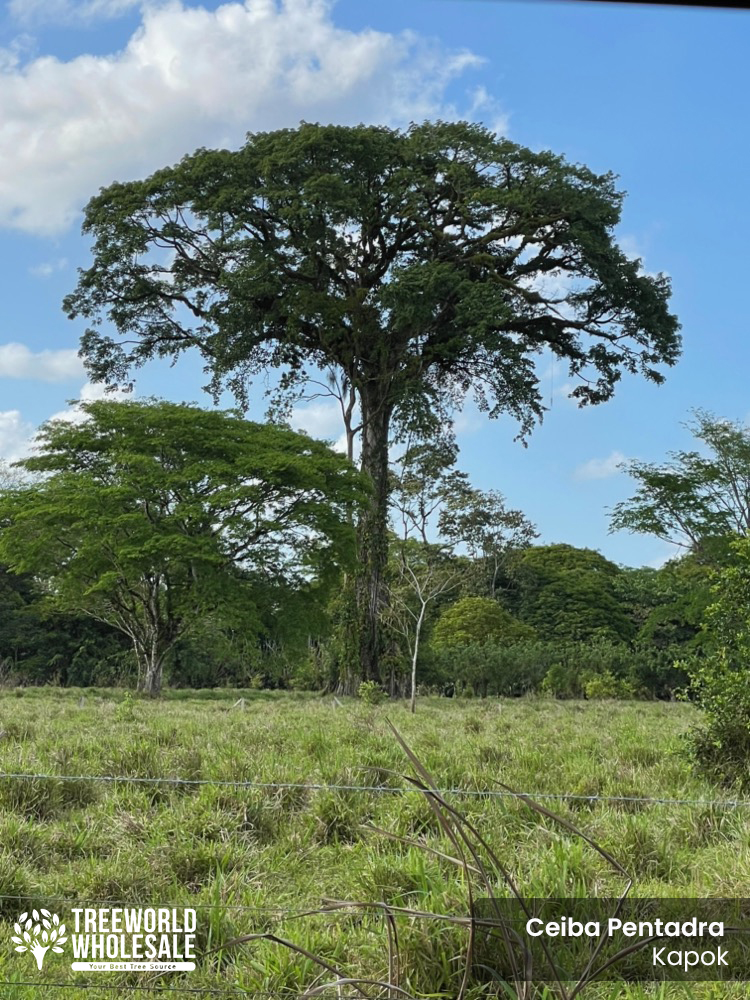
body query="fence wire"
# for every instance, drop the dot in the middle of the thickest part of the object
(288, 912)
(481, 793)
(212, 990)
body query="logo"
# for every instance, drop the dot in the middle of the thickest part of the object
(146, 939)
(38, 932)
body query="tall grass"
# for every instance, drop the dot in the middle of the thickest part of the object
(273, 850)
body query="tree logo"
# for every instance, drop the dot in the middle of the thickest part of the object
(37, 932)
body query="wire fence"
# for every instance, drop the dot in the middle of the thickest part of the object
(181, 990)
(280, 912)
(481, 793)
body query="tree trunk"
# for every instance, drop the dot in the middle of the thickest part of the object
(152, 678)
(151, 663)
(415, 654)
(372, 533)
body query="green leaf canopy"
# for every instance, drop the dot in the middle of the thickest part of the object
(148, 515)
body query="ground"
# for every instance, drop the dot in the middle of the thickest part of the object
(239, 856)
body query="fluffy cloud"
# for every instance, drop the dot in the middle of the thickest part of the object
(89, 392)
(323, 421)
(17, 361)
(15, 435)
(49, 267)
(191, 77)
(319, 420)
(601, 468)
(68, 11)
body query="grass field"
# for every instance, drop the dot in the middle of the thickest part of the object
(221, 849)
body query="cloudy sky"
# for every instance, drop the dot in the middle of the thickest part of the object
(93, 91)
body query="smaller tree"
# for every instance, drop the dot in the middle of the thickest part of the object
(569, 593)
(423, 480)
(474, 620)
(152, 515)
(494, 535)
(720, 743)
(424, 573)
(696, 499)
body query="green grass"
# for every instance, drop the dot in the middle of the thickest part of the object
(221, 848)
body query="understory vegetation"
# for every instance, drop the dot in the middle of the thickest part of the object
(244, 856)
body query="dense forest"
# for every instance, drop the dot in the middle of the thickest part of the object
(567, 621)
(475, 605)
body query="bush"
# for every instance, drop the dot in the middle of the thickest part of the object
(606, 685)
(489, 668)
(561, 669)
(720, 745)
(566, 680)
(371, 693)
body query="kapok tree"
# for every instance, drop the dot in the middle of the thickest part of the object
(422, 265)
(152, 516)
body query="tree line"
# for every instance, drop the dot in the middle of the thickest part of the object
(152, 538)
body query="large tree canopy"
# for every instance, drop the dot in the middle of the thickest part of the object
(570, 593)
(421, 265)
(150, 516)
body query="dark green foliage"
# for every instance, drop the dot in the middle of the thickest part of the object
(720, 746)
(562, 669)
(491, 669)
(37, 647)
(569, 594)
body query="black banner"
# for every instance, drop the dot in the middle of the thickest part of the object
(637, 940)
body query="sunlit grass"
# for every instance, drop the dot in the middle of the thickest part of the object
(270, 849)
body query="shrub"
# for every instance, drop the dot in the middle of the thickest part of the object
(489, 668)
(371, 693)
(565, 680)
(719, 746)
(606, 685)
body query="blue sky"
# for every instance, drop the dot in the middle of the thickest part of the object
(97, 90)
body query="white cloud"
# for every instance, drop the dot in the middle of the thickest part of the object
(15, 435)
(631, 247)
(89, 392)
(49, 267)
(192, 77)
(323, 421)
(319, 420)
(17, 361)
(601, 468)
(487, 108)
(68, 11)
